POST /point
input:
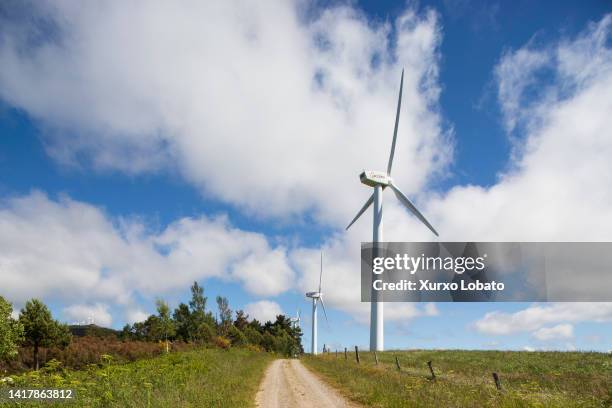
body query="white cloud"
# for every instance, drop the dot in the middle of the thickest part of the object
(134, 315)
(86, 314)
(60, 249)
(264, 273)
(263, 310)
(561, 331)
(559, 185)
(536, 317)
(276, 118)
(528, 348)
(515, 73)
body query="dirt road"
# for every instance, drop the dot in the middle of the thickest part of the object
(288, 383)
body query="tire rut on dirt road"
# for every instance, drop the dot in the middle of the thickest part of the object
(287, 383)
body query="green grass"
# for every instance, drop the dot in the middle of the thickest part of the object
(464, 378)
(202, 378)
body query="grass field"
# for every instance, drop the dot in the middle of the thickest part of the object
(202, 378)
(464, 378)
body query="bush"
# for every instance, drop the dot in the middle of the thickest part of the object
(268, 342)
(253, 347)
(89, 350)
(253, 336)
(205, 333)
(221, 342)
(236, 336)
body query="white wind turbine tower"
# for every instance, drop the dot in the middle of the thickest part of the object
(296, 320)
(316, 297)
(379, 180)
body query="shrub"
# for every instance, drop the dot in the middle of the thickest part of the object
(236, 336)
(253, 347)
(205, 333)
(221, 342)
(268, 342)
(253, 336)
(89, 350)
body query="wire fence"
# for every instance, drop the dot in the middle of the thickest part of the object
(428, 370)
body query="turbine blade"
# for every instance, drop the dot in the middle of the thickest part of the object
(321, 272)
(324, 312)
(404, 200)
(397, 115)
(365, 207)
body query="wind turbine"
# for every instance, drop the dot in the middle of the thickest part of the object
(316, 297)
(295, 321)
(380, 180)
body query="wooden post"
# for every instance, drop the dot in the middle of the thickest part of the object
(336, 353)
(345, 354)
(433, 375)
(376, 358)
(397, 364)
(357, 354)
(497, 382)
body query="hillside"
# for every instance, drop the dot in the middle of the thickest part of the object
(465, 378)
(92, 330)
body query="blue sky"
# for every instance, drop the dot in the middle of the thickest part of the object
(137, 149)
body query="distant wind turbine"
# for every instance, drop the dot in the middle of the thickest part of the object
(295, 321)
(316, 297)
(380, 180)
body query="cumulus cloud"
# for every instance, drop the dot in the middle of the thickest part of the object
(536, 317)
(561, 331)
(89, 314)
(263, 310)
(276, 118)
(58, 249)
(559, 184)
(133, 315)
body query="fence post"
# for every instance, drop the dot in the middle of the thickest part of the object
(497, 382)
(336, 353)
(397, 364)
(433, 375)
(345, 354)
(376, 358)
(357, 354)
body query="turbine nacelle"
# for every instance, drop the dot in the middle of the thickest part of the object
(374, 178)
(314, 295)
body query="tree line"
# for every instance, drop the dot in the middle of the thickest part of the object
(193, 323)
(188, 323)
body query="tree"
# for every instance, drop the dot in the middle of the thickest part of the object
(253, 336)
(126, 333)
(40, 330)
(183, 322)
(242, 320)
(256, 325)
(204, 333)
(165, 325)
(225, 314)
(198, 300)
(11, 331)
(236, 336)
(267, 341)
